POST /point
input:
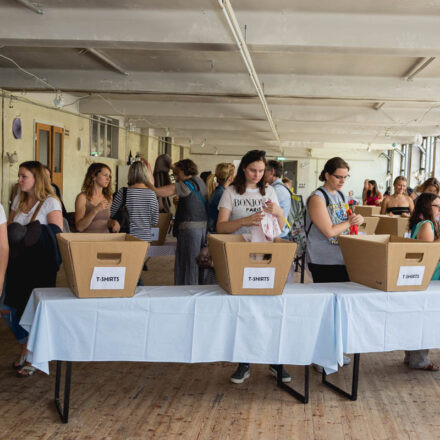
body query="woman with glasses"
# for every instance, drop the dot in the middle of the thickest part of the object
(327, 219)
(400, 203)
(424, 226)
(241, 207)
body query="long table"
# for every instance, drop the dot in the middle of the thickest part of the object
(371, 321)
(309, 323)
(182, 324)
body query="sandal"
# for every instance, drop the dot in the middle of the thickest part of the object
(431, 367)
(18, 365)
(26, 371)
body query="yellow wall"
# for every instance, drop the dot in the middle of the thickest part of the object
(76, 160)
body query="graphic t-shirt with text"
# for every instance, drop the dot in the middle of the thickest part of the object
(244, 205)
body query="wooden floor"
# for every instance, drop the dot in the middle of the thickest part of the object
(154, 401)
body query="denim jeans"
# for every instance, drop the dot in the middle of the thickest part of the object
(11, 319)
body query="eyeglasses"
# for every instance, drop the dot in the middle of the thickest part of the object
(341, 178)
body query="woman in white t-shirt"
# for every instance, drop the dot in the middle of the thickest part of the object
(35, 201)
(241, 207)
(36, 195)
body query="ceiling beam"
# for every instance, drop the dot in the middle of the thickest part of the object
(394, 34)
(300, 86)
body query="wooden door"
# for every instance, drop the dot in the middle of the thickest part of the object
(57, 156)
(49, 149)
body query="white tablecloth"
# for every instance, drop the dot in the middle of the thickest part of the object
(183, 324)
(370, 320)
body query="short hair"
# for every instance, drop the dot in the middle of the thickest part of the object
(137, 173)
(276, 166)
(188, 167)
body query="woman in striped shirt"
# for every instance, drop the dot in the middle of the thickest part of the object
(141, 202)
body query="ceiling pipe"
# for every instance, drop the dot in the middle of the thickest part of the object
(418, 67)
(28, 4)
(107, 60)
(229, 14)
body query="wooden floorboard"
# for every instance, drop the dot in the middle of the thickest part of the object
(123, 400)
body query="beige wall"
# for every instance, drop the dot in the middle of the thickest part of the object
(76, 160)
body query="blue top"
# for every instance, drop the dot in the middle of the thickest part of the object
(284, 196)
(213, 208)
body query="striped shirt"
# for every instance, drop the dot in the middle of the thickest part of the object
(143, 208)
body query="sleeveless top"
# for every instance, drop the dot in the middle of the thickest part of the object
(398, 210)
(414, 232)
(320, 249)
(99, 223)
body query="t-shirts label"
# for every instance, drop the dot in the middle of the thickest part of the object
(108, 278)
(410, 275)
(154, 234)
(258, 277)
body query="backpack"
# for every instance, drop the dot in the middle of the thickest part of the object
(296, 220)
(327, 203)
(122, 216)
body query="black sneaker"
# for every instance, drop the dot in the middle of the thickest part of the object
(241, 373)
(285, 376)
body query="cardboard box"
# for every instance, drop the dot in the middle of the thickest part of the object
(392, 225)
(161, 229)
(389, 263)
(366, 210)
(369, 226)
(102, 265)
(244, 268)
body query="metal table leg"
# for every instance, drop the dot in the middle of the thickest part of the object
(354, 383)
(303, 398)
(63, 411)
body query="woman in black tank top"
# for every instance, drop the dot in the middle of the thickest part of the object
(400, 203)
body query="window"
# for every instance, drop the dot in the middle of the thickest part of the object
(404, 160)
(104, 137)
(429, 144)
(165, 145)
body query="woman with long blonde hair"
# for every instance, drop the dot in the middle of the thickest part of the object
(35, 203)
(215, 186)
(36, 195)
(92, 204)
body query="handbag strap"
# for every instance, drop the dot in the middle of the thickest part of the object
(193, 189)
(34, 215)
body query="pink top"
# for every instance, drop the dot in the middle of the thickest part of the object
(99, 223)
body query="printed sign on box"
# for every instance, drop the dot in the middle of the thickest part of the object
(154, 234)
(108, 278)
(410, 275)
(258, 277)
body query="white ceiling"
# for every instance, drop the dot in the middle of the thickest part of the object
(324, 65)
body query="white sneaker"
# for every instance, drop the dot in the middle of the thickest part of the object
(347, 360)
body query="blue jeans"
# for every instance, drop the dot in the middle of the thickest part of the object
(11, 319)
